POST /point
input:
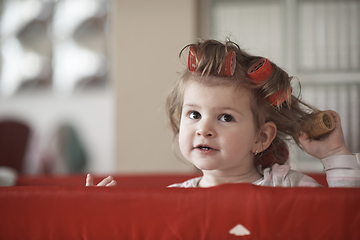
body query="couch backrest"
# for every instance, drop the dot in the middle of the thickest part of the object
(68, 212)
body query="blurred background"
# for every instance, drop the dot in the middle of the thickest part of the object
(83, 82)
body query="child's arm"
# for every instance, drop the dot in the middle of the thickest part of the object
(106, 182)
(341, 167)
(331, 145)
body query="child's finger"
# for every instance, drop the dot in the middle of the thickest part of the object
(113, 183)
(336, 118)
(105, 181)
(89, 180)
(304, 139)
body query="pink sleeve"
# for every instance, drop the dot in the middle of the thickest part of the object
(307, 181)
(284, 176)
(342, 170)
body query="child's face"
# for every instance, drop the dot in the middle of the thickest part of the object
(217, 128)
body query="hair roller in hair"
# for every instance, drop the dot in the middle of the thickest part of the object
(229, 65)
(192, 64)
(227, 70)
(260, 70)
(319, 124)
(276, 99)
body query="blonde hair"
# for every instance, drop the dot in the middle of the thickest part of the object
(288, 116)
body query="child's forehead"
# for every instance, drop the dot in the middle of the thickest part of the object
(222, 93)
(220, 83)
(210, 80)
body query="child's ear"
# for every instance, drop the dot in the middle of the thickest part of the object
(266, 136)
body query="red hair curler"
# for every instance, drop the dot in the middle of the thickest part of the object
(275, 98)
(227, 70)
(192, 64)
(260, 70)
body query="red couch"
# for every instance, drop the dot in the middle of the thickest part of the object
(142, 208)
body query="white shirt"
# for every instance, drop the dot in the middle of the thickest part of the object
(341, 171)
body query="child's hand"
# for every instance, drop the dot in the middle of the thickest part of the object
(106, 182)
(331, 145)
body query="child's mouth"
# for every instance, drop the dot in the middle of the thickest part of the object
(204, 147)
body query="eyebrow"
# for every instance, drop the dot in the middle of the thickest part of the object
(190, 105)
(232, 109)
(222, 108)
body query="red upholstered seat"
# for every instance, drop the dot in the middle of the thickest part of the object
(71, 212)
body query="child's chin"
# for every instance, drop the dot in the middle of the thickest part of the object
(206, 167)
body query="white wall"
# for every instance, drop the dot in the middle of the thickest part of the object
(150, 35)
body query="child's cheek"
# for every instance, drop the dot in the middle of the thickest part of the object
(183, 144)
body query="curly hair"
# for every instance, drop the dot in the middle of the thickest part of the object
(288, 116)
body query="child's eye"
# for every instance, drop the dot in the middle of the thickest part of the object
(226, 118)
(194, 115)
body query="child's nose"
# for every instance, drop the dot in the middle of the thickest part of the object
(205, 129)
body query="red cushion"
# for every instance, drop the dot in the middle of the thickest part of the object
(64, 212)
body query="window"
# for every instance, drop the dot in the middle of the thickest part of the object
(317, 41)
(58, 45)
